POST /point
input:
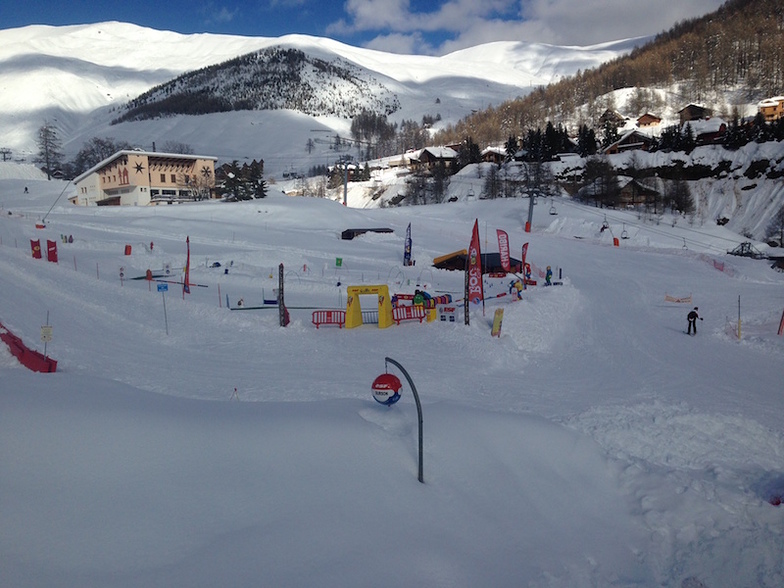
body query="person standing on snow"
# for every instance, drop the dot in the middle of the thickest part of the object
(548, 276)
(692, 317)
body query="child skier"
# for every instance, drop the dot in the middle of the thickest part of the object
(548, 276)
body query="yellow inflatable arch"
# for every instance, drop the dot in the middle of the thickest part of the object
(354, 309)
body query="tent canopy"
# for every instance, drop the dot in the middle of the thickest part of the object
(491, 262)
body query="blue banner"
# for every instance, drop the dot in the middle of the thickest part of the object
(407, 250)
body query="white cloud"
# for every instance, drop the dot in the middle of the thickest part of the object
(224, 15)
(213, 14)
(402, 44)
(458, 24)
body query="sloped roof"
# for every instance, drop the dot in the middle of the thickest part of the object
(149, 154)
(631, 137)
(774, 101)
(706, 125)
(436, 152)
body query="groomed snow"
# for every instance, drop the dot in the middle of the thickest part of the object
(593, 444)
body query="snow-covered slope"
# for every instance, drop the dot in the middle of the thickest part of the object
(593, 444)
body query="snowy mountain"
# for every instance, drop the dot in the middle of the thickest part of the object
(270, 79)
(80, 76)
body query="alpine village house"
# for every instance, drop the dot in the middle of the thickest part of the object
(139, 178)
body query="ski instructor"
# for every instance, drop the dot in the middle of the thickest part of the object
(693, 316)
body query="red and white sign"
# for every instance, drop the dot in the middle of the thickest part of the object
(386, 389)
(503, 249)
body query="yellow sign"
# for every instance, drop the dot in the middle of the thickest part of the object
(498, 319)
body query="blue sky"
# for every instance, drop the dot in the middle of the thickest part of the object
(401, 26)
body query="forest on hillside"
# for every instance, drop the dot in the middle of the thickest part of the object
(268, 79)
(738, 49)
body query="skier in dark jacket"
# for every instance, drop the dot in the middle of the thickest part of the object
(693, 316)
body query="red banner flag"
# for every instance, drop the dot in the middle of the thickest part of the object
(36, 247)
(503, 249)
(186, 285)
(475, 289)
(51, 250)
(525, 252)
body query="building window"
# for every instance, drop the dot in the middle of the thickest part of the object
(173, 179)
(163, 178)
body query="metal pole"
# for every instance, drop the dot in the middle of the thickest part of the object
(281, 303)
(345, 183)
(165, 318)
(419, 411)
(467, 310)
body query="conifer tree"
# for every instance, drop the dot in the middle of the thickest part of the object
(50, 149)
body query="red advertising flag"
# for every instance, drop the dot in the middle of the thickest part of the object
(475, 289)
(36, 247)
(503, 249)
(51, 250)
(186, 285)
(525, 252)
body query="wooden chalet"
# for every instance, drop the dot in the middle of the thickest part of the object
(694, 112)
(633, 192)
(426, 159)
(612, 116)
(707, 131)
(494, 155)
(648, 120)
(772, 108)
(630, 141)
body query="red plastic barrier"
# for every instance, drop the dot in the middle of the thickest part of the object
(51, 250)
(407, 313)
(31, 359)
(329, 317)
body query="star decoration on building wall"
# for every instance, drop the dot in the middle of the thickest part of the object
(139, 168)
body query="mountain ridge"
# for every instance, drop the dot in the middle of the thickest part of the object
(120, 61)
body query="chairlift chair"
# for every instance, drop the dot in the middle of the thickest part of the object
(624, 233)
(605, 224)
(553, 211)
